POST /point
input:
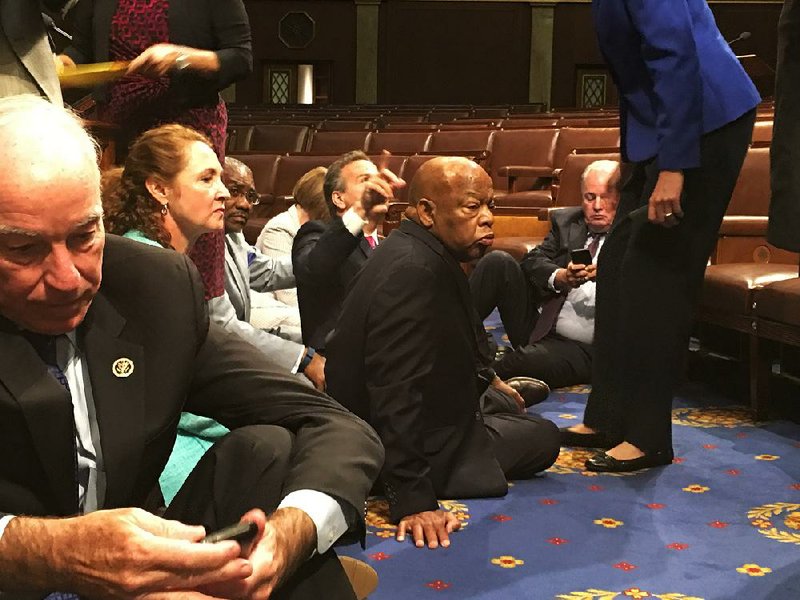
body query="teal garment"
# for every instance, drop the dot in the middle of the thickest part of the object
(135, 234)
(195, 434)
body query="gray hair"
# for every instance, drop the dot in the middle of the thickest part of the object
(610, 168)
(36, 134)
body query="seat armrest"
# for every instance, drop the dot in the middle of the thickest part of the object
(741, 225)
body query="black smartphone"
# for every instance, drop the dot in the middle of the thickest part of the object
(240, 532)
(581, 256)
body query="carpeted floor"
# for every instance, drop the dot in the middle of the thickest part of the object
(723, 522)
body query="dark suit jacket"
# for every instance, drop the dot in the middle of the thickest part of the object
(150, 309)
(325, 258)
(403, 357)
(784, 209)
(218, 25)
(676, 75)
(568, 231)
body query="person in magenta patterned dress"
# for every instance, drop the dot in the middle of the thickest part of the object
(182, 53)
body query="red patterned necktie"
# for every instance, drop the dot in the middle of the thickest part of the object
(594, 243)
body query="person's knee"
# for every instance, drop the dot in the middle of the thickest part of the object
(527, 361)
(546, 445)
(551, 441)
(492, 264)
(266, 445)
(500, 261)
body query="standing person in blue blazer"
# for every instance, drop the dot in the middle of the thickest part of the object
(687, 110)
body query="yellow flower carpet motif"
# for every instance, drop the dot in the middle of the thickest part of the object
(608, 523)
(634, 593)
(707, 417)
(770, 520)
(507, 562)
(754, 570)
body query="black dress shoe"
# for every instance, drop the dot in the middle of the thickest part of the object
(584, 440)
(603, 463)
(532, 390)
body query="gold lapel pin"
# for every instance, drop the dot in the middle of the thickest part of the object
(122, 367)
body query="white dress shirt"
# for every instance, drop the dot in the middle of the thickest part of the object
(576, 319)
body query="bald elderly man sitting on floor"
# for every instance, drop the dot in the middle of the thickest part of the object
(408, 355)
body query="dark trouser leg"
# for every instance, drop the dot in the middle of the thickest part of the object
(246, 469)
(648, 279)
(524, 444)
(498, 281)
(557, 361)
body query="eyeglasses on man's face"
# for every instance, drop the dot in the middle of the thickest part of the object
(249, 194)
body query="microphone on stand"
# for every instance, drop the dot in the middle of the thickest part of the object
(742, 36)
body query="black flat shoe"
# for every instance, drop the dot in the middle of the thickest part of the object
(533, 391)
(603, 463)
(584, 440)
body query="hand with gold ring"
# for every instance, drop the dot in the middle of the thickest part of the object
(665, 202)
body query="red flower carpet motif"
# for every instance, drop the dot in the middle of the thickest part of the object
(380, 556)
(718, 524)
(677, 546)
(438, 585)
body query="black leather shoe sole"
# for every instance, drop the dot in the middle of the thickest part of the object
(603, 463)
(584, 440)
(533, 391)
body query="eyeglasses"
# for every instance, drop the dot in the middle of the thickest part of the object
(249, 194)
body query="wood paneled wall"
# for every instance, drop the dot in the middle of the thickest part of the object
(463, 52)
(335, 41)
(453, 52)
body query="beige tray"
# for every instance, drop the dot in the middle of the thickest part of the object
(91, 75)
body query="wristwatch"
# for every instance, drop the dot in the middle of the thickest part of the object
(306, 360)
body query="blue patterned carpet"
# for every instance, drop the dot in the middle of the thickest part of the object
(723, 522)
